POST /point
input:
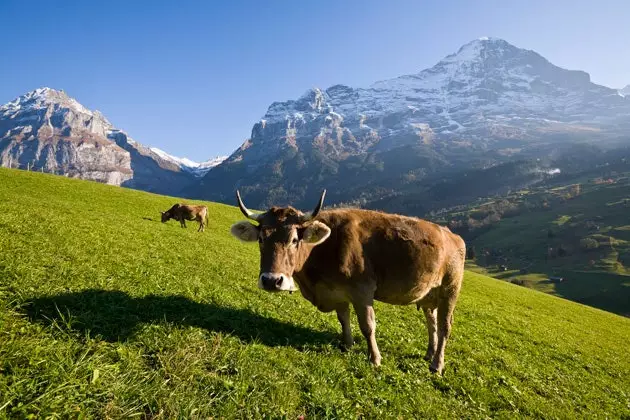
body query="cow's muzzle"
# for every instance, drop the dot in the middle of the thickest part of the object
(274, 282)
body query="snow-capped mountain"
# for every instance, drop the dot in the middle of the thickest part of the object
(489, 99)
(625, 91)
(47, 130)
(196, 168)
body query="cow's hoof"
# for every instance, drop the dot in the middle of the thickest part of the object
(376, 361)
(436, 371)
(345, 347)
(428, 356)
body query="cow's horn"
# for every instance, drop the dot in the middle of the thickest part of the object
(314, 213)
(248, 213)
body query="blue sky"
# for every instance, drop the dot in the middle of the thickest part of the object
(191, 77)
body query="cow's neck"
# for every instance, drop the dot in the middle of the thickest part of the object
(307, 287)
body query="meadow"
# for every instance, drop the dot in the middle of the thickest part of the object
(107, 313)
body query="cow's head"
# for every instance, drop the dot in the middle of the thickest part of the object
(170, 213)
(286, 237)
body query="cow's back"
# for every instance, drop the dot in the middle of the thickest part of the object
(191, 211)
(404, 255)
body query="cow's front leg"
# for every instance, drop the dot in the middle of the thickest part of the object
(343, 315)
(367, 322)
(182, 222)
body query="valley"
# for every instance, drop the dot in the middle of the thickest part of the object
(567, 236)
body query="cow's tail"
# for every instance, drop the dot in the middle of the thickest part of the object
(207, 216)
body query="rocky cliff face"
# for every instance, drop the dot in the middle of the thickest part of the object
(47, 130)
(486, 103)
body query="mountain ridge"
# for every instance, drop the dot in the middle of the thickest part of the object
(487, 102)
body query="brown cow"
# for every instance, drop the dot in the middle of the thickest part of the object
(351, 256)
(183, 212)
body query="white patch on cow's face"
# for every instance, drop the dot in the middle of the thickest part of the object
(276, 282)
(245, 231)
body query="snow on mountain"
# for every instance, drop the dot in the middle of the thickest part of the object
(196, 168)
(625, 92)
(211, 163)
(487, 76)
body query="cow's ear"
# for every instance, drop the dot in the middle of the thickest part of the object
(316, 233)
(245, 231)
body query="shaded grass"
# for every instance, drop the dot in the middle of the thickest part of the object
(105, 312)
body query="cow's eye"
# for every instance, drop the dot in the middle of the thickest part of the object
(294, 241)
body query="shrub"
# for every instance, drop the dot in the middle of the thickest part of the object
(588, 244)
(562, 251)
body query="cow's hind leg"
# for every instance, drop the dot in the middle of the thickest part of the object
(367, 322)
(446, 306)
(430, 315)
(343, 315)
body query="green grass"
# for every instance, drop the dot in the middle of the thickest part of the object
(106, 312)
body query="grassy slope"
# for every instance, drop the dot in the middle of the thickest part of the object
(606, 282)
(107, 312)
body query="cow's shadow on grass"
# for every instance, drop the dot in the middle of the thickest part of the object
(115, 316)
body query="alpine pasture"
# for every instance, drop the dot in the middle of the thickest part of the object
(106, 312)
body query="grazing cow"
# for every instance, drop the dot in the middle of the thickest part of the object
(183, 212)
(350, 256)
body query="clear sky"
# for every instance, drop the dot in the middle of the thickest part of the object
(191, 77)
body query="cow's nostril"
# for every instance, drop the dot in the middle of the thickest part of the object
(279, 282)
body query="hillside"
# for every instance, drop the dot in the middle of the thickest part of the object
(574, 226)
(106, 312)
(488, 103)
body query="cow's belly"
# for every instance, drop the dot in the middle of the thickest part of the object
(405, 291)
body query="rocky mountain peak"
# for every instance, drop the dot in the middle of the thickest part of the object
(479, 49)
(489, 98)
(45, 97)
(50, 113)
